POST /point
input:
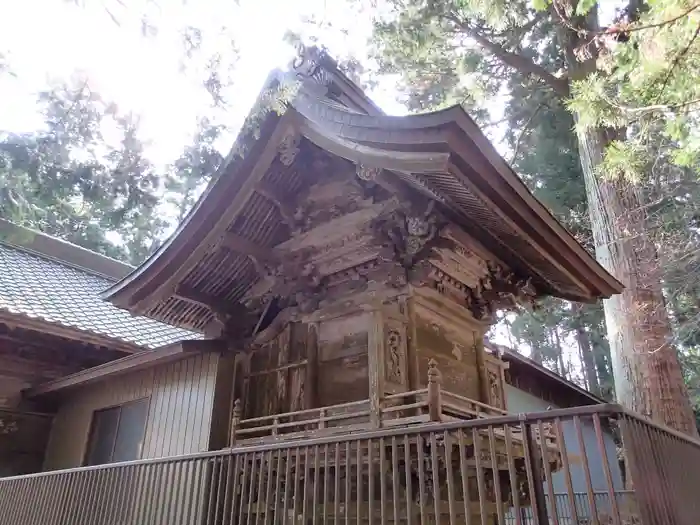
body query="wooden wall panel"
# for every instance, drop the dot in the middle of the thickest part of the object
(343, 361)
(454, 351)
(179, 416)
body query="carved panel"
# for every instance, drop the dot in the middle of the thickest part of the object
(289, 147)
(395, 372)
(495, 377)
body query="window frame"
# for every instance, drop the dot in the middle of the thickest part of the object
(120, 407)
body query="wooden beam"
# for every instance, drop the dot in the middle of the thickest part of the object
(238, 244)
(194, 296)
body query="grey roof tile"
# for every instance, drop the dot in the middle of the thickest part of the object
(57, 293)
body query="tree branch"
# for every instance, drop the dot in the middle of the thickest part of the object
(676, 61)
(526, 128)
(516, 61)
(627, 29)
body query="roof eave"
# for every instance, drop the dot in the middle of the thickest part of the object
(159, 356)
(68, 332)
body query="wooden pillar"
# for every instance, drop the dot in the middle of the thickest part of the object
(434, 398)
(375, 360)
(311, 391)
(481, 368)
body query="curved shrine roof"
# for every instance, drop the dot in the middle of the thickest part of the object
(442, 154)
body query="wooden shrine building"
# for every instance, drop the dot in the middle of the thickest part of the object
(343, 267)
(352, 262)
(339, 251)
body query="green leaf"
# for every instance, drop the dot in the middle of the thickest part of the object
(584, 6)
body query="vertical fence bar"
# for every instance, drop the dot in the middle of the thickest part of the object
(637, 456)
(278, 482)
(658, 471)
(421, 476)
(305, 485)
(593, 509)
(464, 475)
(451, 503)
(268, 489)
(287, 473)
(496, 476)
(336, 485)
(228, 489)
(606, 469)
(409, 479)
(358, 489)
(382, 480)
(324, 499)
(544, 454)
(480, 482)
(348, 461)
(315, 493)
(395, 478)
(567, 470)
(435, 474)
(535, 461)
(244, 488)
(261, 480)
(512, 474)
(370, 481)
(297, 468)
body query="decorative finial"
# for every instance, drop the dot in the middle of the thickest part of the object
(433, 372)
(237, 409)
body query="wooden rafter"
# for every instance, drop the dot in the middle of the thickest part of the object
(194, 296)
(239, 244)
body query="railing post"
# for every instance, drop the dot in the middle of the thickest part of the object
(322, 418)
(235, 422)
(535, 459)
(434, 399)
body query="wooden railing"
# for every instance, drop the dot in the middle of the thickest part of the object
(423, 405)
(489, 471)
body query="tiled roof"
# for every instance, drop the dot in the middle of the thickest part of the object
(55, 292)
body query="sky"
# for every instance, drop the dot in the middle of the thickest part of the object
(102, 40)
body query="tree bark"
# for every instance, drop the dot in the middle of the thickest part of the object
(646, 369)
(585, 349)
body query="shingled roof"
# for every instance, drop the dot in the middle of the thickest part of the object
(46, 280)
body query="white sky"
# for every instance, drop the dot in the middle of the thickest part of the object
(143, 75)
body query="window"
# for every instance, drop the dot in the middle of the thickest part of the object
(116, 434)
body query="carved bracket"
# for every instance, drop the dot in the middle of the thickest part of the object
(411, 233)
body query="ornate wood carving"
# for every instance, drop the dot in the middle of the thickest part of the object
(307, 63)
(409, 231)
(367, 173)
(395, 373)
(289, 147)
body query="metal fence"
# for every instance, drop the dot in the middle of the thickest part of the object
(558, 467)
